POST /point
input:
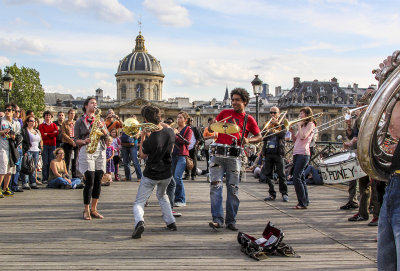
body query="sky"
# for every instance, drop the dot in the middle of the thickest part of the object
(203, 46)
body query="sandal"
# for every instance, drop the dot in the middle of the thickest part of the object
(299, 207)
(86, 217)
(96, 214)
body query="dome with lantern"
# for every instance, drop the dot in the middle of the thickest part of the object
(139, 75)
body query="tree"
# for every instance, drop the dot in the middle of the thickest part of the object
(27, 91)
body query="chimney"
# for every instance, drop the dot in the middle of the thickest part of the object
(278, 90)
(296, 82)
(355, 87)
(334, 80)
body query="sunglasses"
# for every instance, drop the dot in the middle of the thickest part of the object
(60, 153)
(19, 111)
(273, 112)
(31, 121)
(9, 110)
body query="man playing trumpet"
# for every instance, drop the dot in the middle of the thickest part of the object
(274, 151)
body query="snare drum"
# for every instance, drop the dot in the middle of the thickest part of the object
(224, 150)
(341, 167)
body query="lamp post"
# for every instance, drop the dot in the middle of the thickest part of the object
(7, 84)
(198, 115)
(256, 83)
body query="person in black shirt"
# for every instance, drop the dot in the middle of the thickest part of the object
(157, 148)
(274, 152)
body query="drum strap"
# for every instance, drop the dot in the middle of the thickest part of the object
(244, 129)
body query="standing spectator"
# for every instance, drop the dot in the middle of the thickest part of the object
(194, 143)
(109, 156)
(15, 177)
(49, 132)
(31, 145)
(301, 155)
(112, 121)
(59, 122)
(9, 130)
(130, 153)
(116, 143)
(69, 145)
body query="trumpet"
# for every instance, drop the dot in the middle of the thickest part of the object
(287, 123)
(132, 127)
(277, 126)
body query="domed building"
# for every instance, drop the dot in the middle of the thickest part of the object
(139, 75)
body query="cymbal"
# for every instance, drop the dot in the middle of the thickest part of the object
(225, 128)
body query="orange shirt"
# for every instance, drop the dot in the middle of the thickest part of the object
(115, 125)
(206, 133)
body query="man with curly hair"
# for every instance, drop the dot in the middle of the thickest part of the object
(230, 165)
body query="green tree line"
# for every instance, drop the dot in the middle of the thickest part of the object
(27, 91)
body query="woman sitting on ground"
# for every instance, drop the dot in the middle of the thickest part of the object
(58, 175)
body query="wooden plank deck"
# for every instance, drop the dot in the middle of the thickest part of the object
(43, 230)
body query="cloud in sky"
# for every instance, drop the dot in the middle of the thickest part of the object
(202, 45)
(4, 61)
(111, 11)
(31, 46)
(168, 12)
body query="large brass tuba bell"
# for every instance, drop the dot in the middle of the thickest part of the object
(373, 137)
(131, 127)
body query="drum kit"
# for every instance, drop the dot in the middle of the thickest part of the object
(225, 150)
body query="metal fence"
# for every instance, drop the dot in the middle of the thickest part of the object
(322, 149)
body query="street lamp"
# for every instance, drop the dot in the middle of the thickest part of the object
(7, 84)
(256, 83)
(198, 115)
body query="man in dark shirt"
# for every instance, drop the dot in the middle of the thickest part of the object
(274, 152)
(59, 122)
(157, 148)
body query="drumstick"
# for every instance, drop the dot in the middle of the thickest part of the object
(225, 119)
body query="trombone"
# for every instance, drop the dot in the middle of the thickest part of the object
(287, 123)
(346, 116)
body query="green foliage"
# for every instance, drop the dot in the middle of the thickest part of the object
(27, 91)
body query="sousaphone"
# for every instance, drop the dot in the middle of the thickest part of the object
(374, 137)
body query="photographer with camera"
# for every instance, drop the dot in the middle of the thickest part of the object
(10, 130)
(112, 121)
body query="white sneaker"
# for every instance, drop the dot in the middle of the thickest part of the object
(285, 198)
(179, 204)
(176, 214)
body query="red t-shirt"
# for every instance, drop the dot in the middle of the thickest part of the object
(237, 118)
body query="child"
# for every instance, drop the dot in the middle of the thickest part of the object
(109, 156)
(116, 143)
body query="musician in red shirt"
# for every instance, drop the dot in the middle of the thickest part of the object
(230, 163)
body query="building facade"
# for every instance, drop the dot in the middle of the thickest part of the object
(323, 97)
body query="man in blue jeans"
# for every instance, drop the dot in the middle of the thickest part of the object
(389, 217)
(129, 153)
(230, 164)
